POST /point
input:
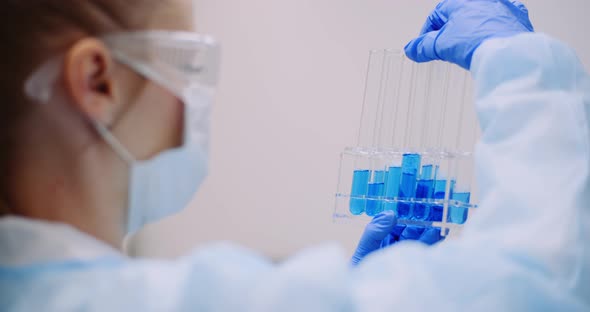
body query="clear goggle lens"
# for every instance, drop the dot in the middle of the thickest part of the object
(176, 60)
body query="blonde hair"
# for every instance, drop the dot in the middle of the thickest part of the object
(33, 31)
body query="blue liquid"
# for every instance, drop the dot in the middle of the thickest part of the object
(439, 193)
(410, 166)
(375, 200)
(462, 197)
(440, 187)
(379, 176)
(458, 215)
(423, 191)
(360, 188)
(392, 187)
(426, 172)
(375, 193)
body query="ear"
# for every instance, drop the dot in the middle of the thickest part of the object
(88, 75)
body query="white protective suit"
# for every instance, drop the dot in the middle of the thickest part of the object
(525, 249)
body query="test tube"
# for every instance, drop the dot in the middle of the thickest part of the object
(440, 186)
(368, 186)
(410, 167)
(375, 193)
(457, 213)
(397, 103)
(359, 191)
(466, 137)
(427, 133)
(461, 190)
(439, 191)
(424, 191)
(414, 124)
(392, 187)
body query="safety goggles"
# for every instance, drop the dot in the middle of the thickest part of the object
(176, 60)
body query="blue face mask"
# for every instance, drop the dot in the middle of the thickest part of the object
(165, 184)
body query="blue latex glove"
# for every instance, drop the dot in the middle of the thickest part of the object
(383, 231)
(428, 236)
(456, 28)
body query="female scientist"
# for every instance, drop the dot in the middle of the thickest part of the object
(105, 128)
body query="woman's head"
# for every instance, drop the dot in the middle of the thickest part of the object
(53, 163)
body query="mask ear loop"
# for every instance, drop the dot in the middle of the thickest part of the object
(120, 150)
(128, 246)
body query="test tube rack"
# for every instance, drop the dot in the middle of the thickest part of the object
(414, 153)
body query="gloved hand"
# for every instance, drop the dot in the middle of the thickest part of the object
(381, 225)
(383, 231)
(456, 28)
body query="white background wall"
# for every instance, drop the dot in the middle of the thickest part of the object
(289, 101)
